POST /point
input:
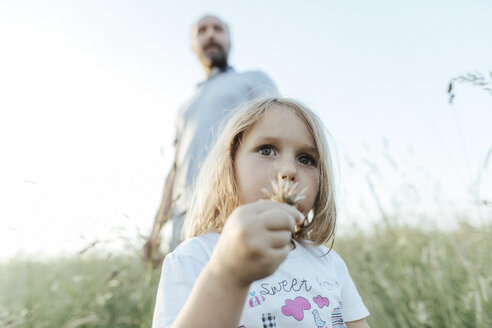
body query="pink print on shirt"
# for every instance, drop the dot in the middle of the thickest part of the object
(296, 307)
(321, 301)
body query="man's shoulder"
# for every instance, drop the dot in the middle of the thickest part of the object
(254, 74)
(259, 83)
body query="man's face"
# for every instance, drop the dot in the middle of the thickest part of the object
(210, 42)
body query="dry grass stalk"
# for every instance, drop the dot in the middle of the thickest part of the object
(285, 191)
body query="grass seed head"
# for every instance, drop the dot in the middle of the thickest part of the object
(285, 191)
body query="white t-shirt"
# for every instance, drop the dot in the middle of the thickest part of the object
(309, 289)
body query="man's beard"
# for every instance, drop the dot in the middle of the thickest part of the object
(217, 59)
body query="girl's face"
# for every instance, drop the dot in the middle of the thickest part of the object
(279, 142)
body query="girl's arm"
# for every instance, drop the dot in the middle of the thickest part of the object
(215, 301)
(254, 242)
(357, 324)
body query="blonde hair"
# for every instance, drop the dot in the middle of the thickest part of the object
(216, 192)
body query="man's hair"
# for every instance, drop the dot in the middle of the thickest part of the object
(226, 26)
(216, 192)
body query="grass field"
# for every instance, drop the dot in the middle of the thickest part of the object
(407, 278)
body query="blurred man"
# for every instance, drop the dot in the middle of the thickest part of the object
(199, 122)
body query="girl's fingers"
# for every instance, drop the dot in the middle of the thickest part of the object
(276, 219)
(278, 255)
(279, 239)
(296, 214)
(263, 206)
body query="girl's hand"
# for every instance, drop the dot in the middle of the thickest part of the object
(254, 242)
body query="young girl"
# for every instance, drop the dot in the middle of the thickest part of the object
(240, 265)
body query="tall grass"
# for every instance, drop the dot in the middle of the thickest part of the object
(407, 278)
(414, 278)
(84, 291)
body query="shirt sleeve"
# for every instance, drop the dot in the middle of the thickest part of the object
(353, 307)
(179, 273)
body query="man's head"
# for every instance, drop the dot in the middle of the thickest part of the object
(211, 42)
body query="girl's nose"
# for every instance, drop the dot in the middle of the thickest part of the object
(288, 171)
(290, 177)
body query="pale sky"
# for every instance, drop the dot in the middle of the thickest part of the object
(89, 92)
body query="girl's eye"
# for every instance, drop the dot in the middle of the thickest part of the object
(266, 150)
(307, 160)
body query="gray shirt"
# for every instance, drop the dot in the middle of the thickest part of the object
(201, 119)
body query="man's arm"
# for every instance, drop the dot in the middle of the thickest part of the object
(151, 247)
